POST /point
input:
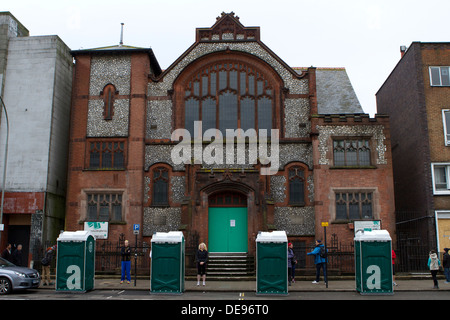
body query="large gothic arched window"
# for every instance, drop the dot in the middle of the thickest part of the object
(229, 94)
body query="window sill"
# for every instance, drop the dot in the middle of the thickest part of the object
(296, 204)
(104, 169)
(347, 221)
(109, 222)
(441, 193)
(352, 167)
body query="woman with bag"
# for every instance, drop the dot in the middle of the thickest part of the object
(433, 264)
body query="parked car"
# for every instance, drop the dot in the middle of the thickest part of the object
(13, 277)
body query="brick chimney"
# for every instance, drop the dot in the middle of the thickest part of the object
(403, 50)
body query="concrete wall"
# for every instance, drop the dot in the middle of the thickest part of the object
(37, 85)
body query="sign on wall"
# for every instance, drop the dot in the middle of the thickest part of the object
(98, 229)
(366, 225)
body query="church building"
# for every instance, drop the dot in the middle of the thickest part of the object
(226, 142)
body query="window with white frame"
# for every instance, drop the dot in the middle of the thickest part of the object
(446, 122)
(441, 178)
(440, 76)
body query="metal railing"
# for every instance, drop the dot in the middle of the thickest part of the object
(411, 257)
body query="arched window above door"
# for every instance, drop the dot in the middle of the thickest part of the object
(227, 199)
(228, 92)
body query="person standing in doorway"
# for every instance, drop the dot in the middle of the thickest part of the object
(433, 264)
(202, 258)
(125, 253)
(319, 260)
(6, 254)
(17, 256)
(446, 265)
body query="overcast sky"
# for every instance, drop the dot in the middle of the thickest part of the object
(362, 36)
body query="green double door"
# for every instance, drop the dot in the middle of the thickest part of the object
(227, 229)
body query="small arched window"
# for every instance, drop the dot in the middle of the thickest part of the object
(160, 186)
(296, 186)
(109, 92)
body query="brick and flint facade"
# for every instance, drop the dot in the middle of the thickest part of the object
(334, 161)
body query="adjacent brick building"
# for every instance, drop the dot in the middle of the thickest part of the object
(334, 161)
(416, 96)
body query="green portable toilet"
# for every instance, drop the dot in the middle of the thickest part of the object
(271, 263)
(75, 261)
(167, 262)
(373, 262)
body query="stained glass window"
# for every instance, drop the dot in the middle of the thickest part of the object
(228, 95)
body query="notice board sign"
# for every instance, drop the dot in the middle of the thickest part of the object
(366, 225)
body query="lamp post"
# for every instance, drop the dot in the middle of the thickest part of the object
(4, 165)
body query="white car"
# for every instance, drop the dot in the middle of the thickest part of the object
(13, 277)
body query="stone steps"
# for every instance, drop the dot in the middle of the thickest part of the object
(238, 266)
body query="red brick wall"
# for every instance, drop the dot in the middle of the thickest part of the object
(129, 180)
(23, 202)
(379, 178)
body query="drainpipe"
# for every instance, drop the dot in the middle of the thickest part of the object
(4, 164)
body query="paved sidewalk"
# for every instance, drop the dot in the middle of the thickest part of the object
(409, 284)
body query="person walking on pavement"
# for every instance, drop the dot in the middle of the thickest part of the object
(6, 254)
(202, 258)
(291, 263)
(319, 260)
(446, 265)
(433, 265)
(46, 262)
(393, 267)
(125, 253)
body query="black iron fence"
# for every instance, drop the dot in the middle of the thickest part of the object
(108, 258)
(340, 257)
(411, 257)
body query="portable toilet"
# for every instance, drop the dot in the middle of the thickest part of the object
(373, 262)
(167, 262)
(75, 261)
(271, 263)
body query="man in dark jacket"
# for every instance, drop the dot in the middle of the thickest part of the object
(46, 265)
(6, 254)
(125, 252)
(446, 265)
(17, 256)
